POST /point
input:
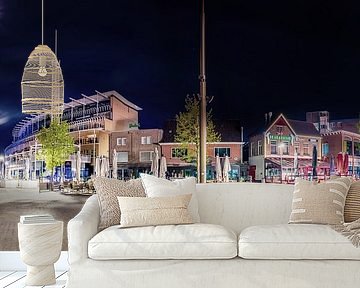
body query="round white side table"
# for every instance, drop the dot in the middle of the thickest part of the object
(40, 247)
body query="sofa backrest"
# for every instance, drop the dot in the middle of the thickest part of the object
(239, 205)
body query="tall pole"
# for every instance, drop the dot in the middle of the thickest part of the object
(202, 165)
(42, 22)
(56, 36)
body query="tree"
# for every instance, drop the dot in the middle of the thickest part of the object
(188, 130)
(56, 144)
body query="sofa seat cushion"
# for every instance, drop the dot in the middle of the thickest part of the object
(295, 241)
(190, 241)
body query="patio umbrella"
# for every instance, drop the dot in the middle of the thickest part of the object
(332, 165)
(114, 164)
(314, 161)
(339, 163)
(97, 166)
(163, 167)
(78, 166)
(27, 169)
(218, 169)
(104, 167)
(296, 164)
(226, 169)
(346, 164)
(155, 163)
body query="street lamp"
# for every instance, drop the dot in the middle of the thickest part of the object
(281, 147)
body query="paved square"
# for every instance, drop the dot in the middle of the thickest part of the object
(16, 202)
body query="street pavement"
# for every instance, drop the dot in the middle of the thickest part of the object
(16, 202)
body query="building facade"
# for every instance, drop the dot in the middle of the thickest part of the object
(284, 150)
(274, 153)
(339, 137)
(92, 119)
(134, 151)
(231, 145)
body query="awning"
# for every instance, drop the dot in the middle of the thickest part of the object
(289, 162)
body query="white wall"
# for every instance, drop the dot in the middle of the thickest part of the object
(21, 184)
(258, 161)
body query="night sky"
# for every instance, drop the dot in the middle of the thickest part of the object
(280, 56)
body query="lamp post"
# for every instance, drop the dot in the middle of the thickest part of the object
(281, 147)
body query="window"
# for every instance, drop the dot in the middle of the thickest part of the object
(222, 152)
(252, 149)
(325, 148)
(145, 156)
(279, 129)
(296, 147)
(306, 149)
(146, 140)
(348, 146)
(285, 148)
(121, 141)
(179, 152)
(356, 148)
(273, 147)
(260, 148)
(122, 157)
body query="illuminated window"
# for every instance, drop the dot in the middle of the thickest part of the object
(222, 152)
(306, 149)
(145, 156)
(273, 147)
(260, 148)
(121, 141)
(146, 140)
(179, 152)
(285, 148)
(122, 157)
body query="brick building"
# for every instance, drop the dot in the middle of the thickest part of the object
(272, 152)
(339, 136)
(231, 145)
(134, 150)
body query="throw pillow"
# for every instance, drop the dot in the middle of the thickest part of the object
(321, 203)
(160, 187)
(139, 211)
(352, 203)
(107, 189)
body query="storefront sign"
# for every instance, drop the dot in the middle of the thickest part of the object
(134, 125)
(280, 137)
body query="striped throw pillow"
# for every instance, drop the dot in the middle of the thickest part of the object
(320, 203)
(352, 203)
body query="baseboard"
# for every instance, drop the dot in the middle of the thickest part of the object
(10, 260)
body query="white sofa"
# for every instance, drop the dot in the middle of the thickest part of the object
(277, 254)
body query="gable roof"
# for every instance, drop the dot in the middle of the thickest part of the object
(304, 128)
(298, 127)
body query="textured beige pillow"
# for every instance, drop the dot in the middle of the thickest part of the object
(107, 190)
(352, 203)
(321, 203)
(138, 211)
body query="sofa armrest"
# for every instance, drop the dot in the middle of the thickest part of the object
(82, 228)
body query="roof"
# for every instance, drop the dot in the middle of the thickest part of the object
(122, 99)
(229, 129)
(303, 128)
(100, 96)
(350, 125)
(298, 127)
